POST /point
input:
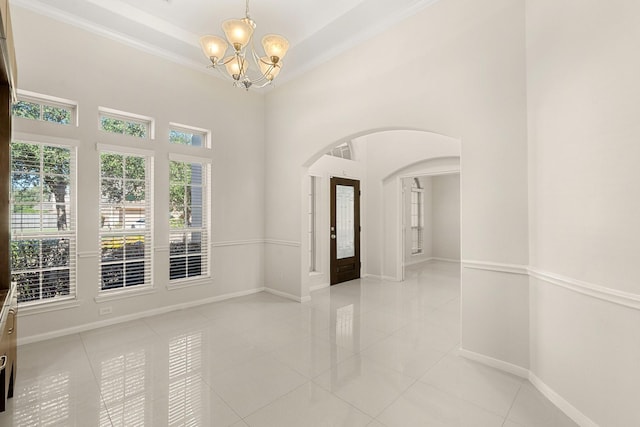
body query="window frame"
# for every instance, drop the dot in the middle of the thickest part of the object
(48, 101)
(125, 291)
(146, 121)
(417, 230)
(313, 223)
(205, 229)
(71, 300)
(205, 133)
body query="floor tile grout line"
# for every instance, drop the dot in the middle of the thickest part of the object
(95, 378)
(513, 402)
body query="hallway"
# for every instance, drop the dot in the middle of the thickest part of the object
(366, 352)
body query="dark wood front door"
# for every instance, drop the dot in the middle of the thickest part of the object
(345, 230)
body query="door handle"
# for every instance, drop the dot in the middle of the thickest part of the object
(333, 236)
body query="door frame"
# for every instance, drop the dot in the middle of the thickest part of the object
(333, 273)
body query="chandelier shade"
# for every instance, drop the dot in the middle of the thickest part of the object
(214, 47)
(243, 65)
(238, 32)
(275, 46)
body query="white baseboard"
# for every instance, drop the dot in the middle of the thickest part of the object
(287, 295)
(495, 363)
(134, 316)
(454, 261)
(318, 287)
(566, 407)
(417, 262)
(560, 402)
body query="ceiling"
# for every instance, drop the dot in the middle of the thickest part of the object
(316, 29)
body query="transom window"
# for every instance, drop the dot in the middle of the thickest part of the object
(125, 219)
(187, 135)
(342, 150)
(44, 108)
(120, 122)
(43, 236)
(188, 218)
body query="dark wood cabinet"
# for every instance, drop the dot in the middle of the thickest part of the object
(8, 292)
(8, 343)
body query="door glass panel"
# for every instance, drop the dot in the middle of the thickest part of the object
(345, 231)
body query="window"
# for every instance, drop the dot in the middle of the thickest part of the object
(43, 239)
(342, 150)
(187, 135)
(313, 223)
(120, 122)
(125, 219)
(417, 217)
(44, 108)
(188, 218)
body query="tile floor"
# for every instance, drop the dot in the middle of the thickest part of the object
(363, 353)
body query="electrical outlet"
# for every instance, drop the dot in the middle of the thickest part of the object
(105, 310)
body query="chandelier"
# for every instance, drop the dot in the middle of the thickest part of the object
(237, 67)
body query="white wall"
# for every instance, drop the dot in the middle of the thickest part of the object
(466, 80)
(583, 109)
(64, 61)
(445, 218)
(383, 155)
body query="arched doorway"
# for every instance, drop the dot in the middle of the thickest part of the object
(376, 158)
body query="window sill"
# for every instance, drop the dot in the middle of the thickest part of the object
(187, 283)
(48, 307)
(123, 294)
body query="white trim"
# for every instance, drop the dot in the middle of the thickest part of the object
(27, 94)
(416, 262)
(600, 292)
(596, 291)
(112, 148)
(134, 291)
(495, 266)
(54, 101)
(134, 316)
(237, 243)
(119, 114)
(126, 116)
(189, 159)
(206, 132)
(44, 139)
(125, 10)
(282, 243)
(318, 287)
(94, 28)
(189, 282)
(451, 260)
(287, 295)
(574, 413)
(494, 363)
(561, 403)
(88, 254)
(161, 249)
(48, 307)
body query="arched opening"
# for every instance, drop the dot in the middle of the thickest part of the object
(379, 159)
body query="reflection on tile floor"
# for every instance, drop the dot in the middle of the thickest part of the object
(367, 352)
